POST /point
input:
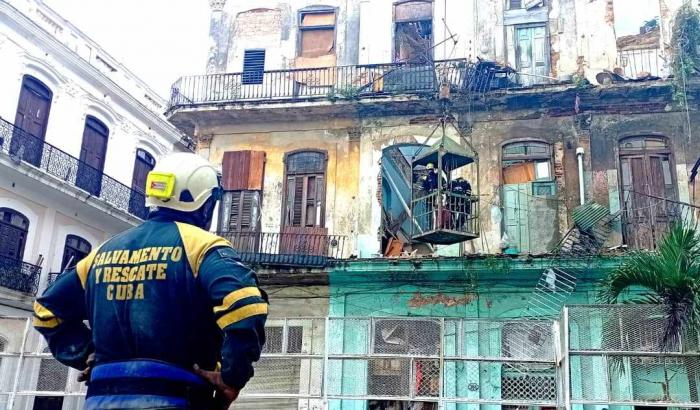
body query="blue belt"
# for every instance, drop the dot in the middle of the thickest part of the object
(149, 378)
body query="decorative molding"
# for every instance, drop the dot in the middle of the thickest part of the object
(72, 89)
(25, 27)
(217, 5)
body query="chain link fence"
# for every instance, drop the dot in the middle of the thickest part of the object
(594, 355)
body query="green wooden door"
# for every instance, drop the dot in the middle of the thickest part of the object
(515, 217)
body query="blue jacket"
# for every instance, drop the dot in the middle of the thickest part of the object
(163, 290)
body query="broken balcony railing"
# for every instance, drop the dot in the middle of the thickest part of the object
(342, 82)
(25, 147)
(18, 275)
(289, 249)
(646, 217)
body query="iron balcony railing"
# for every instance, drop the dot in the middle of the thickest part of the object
(18, 275)
(342, 82)
(287, 249)
(23, 146)
(640, 61)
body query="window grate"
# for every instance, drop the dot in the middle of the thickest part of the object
(253, 67)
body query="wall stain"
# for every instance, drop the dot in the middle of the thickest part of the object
(419, 300)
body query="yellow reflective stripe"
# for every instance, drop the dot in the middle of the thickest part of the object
(197, 243)
(245, 312)
(235, 296)
(42, 313)
(83, 267)
(50, 323)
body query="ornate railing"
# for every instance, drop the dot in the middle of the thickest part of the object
(18, 275)
(23, 146)
(286, 249)
(343, 82)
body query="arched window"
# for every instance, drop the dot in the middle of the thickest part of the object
(32, 116)
(305, 186)
(13, 234)
(143, 164)
(647, 177)
(92, 156)
(75, 249)
(526, 161)
(528, 183)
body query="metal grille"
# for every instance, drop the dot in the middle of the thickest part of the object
(617, 356)
(611, 358)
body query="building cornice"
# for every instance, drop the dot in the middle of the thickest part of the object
(29, 29)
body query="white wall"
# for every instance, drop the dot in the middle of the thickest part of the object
(79, 89)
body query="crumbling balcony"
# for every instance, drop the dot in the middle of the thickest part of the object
(19, 276)
(25, 147)
(343, 82)
(286, 249)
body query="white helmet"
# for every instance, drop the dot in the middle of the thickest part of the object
(183, 182)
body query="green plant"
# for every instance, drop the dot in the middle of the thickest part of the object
(685, 50)
(579, 81)
(670, 277)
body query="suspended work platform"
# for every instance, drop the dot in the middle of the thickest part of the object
(445, 205)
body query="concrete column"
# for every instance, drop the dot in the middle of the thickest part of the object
(45, 235)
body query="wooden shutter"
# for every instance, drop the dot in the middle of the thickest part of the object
(243, 170)
(253, 67)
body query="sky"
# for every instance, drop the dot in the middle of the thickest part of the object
(631, 14)
(157, 40)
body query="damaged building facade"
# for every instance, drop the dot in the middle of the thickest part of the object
(558, 118)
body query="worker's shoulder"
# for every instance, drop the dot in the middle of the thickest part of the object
(194, 233)
(198, 242)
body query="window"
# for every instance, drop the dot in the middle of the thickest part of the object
(92, 156)
(413, 31)
(53, 377)
(75, 249)
(527, 4)
(143, 164)
(305, 189)
(526, 162)
(240, 211)
(316, 32)
(647, 177)
(32, 116)
(13, 234)
(253, 67)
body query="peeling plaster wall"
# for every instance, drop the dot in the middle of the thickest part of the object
(596, 36)
(276, 139)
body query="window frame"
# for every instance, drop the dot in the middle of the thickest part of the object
(317, 10)
(241, 196)
(81, 241)
(395, 23)
(287, 174)
(24, 231)
(549, 156)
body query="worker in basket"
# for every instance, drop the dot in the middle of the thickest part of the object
(175, 319)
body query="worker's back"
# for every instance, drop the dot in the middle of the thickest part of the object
(144, 301)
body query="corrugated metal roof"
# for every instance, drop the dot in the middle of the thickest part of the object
(588, 215)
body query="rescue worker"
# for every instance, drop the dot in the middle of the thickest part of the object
(176, 320)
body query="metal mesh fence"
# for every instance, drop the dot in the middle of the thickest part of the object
(598, 355)
(618, 356)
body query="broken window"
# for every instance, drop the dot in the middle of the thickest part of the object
(305, 187)
(526, 162)
(253, 67)
(413, 31)
(317, 33)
